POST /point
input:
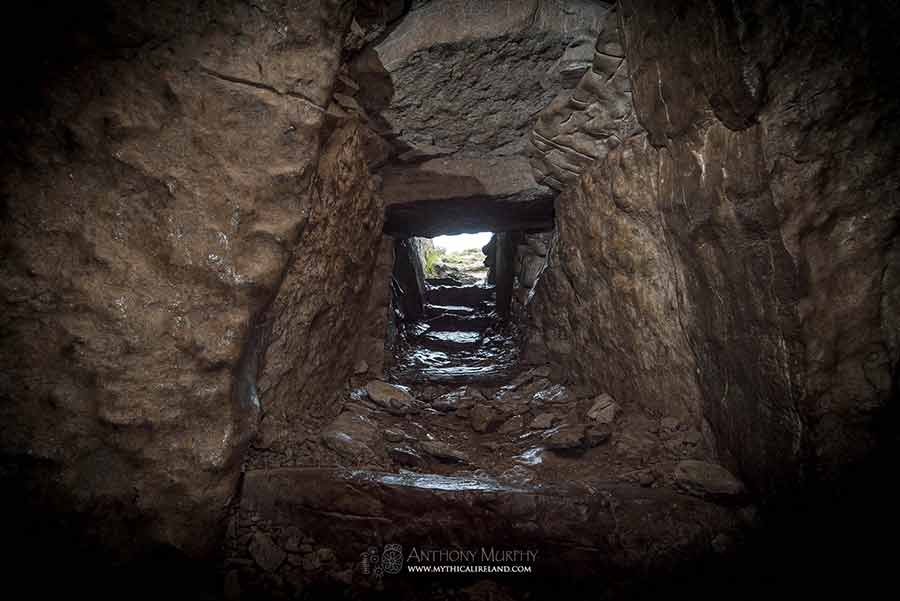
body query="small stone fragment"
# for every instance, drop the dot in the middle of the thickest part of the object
(405, 455)
(484, 419)
(646, 478)
(557, 393)
(604, 409)
(361, 367)
(311, 562)
(443, 452)
(290, 539)
(543, 421)
(395, 399)
(345, 445)
(528, 391)
(383, 393)
(564, 438)
(518, 381)
(513, 424)
(392, 435)
(710, 480)
(325, 555)
(451, 400)
(532, 456)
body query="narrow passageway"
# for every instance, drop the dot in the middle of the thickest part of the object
(466, 444)
(472, 436)
(243, 341)
(459, 339)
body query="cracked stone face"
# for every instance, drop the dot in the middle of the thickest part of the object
(456, 87)
(469, 76)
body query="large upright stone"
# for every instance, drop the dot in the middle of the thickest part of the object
(736, 266)
(318, 317)
(157, 161)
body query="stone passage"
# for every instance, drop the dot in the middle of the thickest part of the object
(223, 356)
(460, 337)
(511, 459)
(462, 447)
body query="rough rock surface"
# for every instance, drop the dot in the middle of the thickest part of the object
(582, 125)
(452, 196)
(156, 176)
(706, 479)
(317, 317)
(469, 75)
(453, 90)
(578, 531)
(265, 552)
(531, 256)
(737, 266)
(614, 256)
(443, 451)
(371, 352)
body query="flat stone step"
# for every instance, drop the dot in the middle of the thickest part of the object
(436, 310)
(489, 365)
(443, 282)
(459, 295)
(454, 340)
(449, 322)
(611, 535)
(472, 373)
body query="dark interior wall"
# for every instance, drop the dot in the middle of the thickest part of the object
(503, 268)
(736, 264)
(157, 165)
(409, 277)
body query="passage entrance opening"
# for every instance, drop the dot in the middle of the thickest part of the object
(453, 308)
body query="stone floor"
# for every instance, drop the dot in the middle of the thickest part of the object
(459, 340)
(464, 449)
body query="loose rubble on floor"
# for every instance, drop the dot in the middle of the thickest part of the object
(460, 424)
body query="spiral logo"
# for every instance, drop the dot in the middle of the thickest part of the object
(392, 559)
(388, 561)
